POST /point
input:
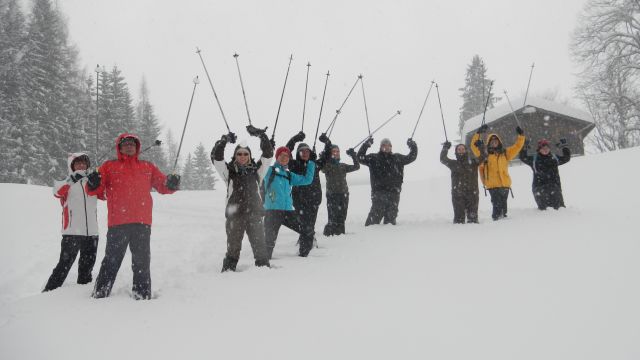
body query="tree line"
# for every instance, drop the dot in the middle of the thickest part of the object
(50, 105)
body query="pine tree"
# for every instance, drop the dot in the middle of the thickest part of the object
(116, 114)
(475, 92)
(148, 128)
(205, 178)
(171, 150)
(14, 125)
(188, 174)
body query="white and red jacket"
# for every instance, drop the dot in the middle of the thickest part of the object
(79, 213)
(126, 183)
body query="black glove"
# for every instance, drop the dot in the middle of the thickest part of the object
(323, 138)
(411, 143)
(173, 182)
(479, 144)
(446, 145)
(93, 180)
(75, 177)
(351, 152)
(562, 143)
(519, 130)
(230, 137)
(483, 129)
(266, 146)
(254, 131)
(368, 142)
(298, 137)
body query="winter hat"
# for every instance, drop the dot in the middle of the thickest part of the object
(334, 146)
(385, 141)
(542, 143)
(241, 147)
(282, 149)
(303, 146)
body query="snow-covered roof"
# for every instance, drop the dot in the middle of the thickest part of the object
(504, 109)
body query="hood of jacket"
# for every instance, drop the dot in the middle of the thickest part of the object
(74, 156)
(122, 156)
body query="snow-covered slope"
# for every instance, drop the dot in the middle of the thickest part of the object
(538, 285)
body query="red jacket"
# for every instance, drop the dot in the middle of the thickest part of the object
(127, 184)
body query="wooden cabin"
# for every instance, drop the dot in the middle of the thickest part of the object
(539, 119)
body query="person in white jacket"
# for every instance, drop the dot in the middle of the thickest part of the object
(79, 224)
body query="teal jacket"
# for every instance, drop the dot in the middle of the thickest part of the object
(278, 183)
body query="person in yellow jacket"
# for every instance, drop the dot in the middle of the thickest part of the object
(494, 172)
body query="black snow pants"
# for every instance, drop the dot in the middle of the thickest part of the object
(308, 215)
(69, 248)
(465, 205)
(499, 198)
(384, 204)
(236, 226)
(337, 206)
(273, 219)
(137, 237)
(548, 195)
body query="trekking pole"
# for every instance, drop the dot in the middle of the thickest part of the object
(486, 104)
(366, 111)
(512, 111)
(320, 116)
(244, 95)
(528, 84)
(155, 143)
(198, 51)
(442, 114)
(304, 106)
(196, 81)
(273, 134)
(421, 110)
(333, 122)
(378, 128)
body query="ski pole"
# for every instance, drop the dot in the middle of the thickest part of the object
(486, 104)
(198, 51)
(528, 84)
(273, 134)
(512, 111)
(333, 122)
(421, 110)
(306, 85)
(196, 81)
(442, 114)
(244, 95)
(378, 128)
(321, 106)
(155, 143)
(366, 111)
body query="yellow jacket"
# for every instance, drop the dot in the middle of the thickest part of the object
(494, 172)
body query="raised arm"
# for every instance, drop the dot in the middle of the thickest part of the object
(291, 144)
(217, 158)
(514, 150)
(566, 153)
(363, 158)
(525, 158)
(443, 155)
(307, 178)
(413, 153)
(356, 164)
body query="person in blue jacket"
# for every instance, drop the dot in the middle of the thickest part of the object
(278, 201)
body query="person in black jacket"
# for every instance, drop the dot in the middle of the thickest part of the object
(464, 181)
(244, 209)
(337, 188)
(386, 171)
(306, 199)
(546, 186)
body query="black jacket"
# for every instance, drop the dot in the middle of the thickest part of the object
(386, 170)
(336, 173)
(309, 195)
(464, 173)
(545, 167)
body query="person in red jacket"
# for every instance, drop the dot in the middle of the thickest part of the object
(126, 183)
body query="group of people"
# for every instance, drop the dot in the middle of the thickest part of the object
(261, 196)
(491, 161)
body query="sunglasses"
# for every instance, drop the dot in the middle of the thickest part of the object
(127, 142)
(242, 154)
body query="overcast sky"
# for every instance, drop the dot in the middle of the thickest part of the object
(399, 47)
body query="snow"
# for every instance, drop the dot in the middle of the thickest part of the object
(504, 109)
(538, 285)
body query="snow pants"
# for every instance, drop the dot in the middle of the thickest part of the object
(69, 248)
(384, 205)
(273, 219)
(548, 195)
(499, 198)
(465, 205)
(236, 226)
(137, 237)
(308, 215)
(337, 206)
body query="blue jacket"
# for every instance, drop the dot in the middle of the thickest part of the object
(277, 194)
